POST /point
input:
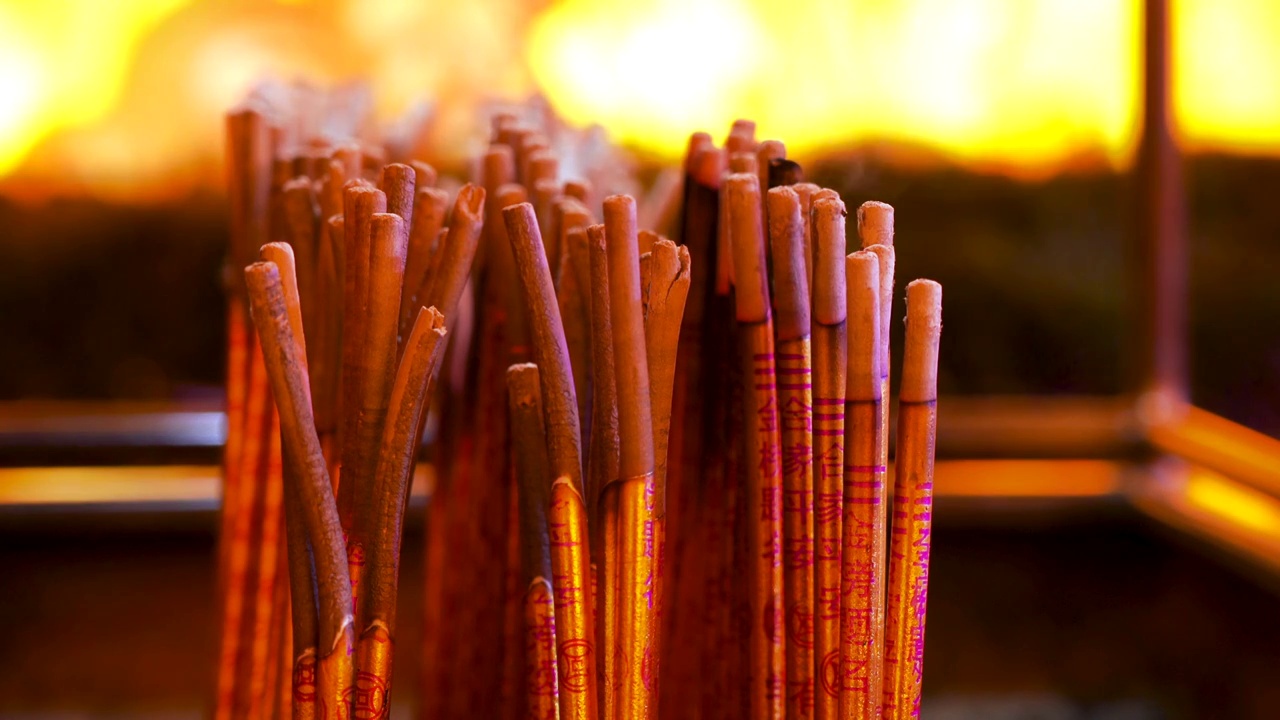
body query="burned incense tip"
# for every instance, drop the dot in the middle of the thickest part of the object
(828, 231)
(875, 223)
(786, 243)
(920, 351)
(863, 276)
(746, 240)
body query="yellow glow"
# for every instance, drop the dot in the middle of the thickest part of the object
(1017, 84)
(63, 62)
(105, 94)
(1239, 504)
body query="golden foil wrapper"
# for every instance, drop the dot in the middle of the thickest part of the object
(862, 586)
(571, 578)
(909, 560)
(637, 662)
(541, 685)
(371, 690)
(334, 678)
(304, 685)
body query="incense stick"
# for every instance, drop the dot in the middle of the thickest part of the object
(795, 403)
(765, 632)
(423, 253)
(602, 467)
(827, 233)
(528, 436)
(398, 451)
(289, 383)
(636, 554)
(912, 503)
(862, 601)
(564, 437)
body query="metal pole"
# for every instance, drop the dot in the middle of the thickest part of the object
(1161, 262)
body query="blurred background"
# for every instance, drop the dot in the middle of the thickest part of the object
(1093, 181)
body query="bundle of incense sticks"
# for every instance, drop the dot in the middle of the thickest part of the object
(655, 461)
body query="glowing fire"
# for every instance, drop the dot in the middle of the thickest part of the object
(127, 94)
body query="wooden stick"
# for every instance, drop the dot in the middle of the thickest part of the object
(424, 232)
(602, 470)
(444, 286)
(545, 195)
(664, 282)
(795, 400)
(396, 460)
(331, 189)
(571, 272)
(571, 579)
(528, 437)
(829, 365)
(301, 575)
(767, 152)
(636, 554)
(912, 503)
(326, 339)
(564, 437)
(664, 295)
(360, 204)
(863, 554)
(377, 364)
(806, 191)
(289, 385)
(766, 634)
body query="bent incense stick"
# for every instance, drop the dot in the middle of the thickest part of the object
(827, 231)
(765, 630)
(912, 503)
(396, 456)
(862, 599)
(288, 380)
(795, 403)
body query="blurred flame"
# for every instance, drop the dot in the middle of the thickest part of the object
(119, 96)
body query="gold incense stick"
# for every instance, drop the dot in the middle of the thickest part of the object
(862, 601)
(912, 503)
